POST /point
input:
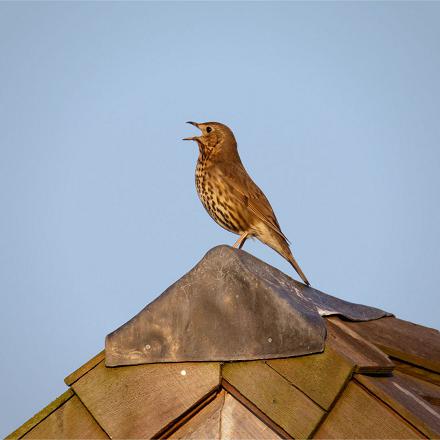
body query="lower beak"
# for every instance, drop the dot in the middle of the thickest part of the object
(195, 138)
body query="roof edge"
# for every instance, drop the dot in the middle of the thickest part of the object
(79, 372)
(41, 415)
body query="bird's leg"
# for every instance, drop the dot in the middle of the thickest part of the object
(240, 242)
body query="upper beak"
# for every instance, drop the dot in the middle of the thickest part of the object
(191, 138)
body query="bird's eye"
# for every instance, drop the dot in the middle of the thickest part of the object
(208, 129)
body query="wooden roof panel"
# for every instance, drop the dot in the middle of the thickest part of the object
(41, 415)
(411, 398)
(69, 421)
(255, 410)
(239, 423)
(205, 424)
(321, 376)
(425, 389)
(418, 372)
(282, 402)
(365, 357)
(357, 414)
(139, 401)
(403, 340)
(224, 418)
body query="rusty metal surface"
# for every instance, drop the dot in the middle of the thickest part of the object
(230, 306)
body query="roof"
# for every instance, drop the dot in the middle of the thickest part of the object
(230, 306)
(375, 376)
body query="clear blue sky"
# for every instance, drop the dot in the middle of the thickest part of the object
(335, 107)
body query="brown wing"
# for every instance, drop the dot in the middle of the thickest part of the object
(247, 192)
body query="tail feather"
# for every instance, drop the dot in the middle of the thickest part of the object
(295, 265)
(280, 245)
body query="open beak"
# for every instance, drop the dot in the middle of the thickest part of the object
(194, 138)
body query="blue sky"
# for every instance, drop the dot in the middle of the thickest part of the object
(335, 107)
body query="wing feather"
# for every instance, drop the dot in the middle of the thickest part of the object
(249, 194)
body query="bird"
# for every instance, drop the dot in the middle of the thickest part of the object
(230, 196)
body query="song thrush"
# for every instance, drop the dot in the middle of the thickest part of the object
(230, 196)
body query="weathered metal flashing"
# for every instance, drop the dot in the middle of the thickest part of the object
(231, 306)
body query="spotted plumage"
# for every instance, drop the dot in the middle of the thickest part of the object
(230, 196)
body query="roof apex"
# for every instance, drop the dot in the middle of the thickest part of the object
(230, 306)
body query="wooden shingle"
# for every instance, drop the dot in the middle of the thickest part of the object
(204, 424)
(224, 418)
(239, 423)
(41, 415)
(139, 401)
(321, 376)
(70, 421)
(365, 357)
(359, 415)
(410, 398)
(403, 340)
(282, 402)
(421, 373)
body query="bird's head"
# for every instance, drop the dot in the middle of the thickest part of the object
(214, 137)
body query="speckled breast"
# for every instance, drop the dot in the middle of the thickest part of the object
(213, 195)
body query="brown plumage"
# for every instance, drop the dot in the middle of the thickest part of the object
(230, 196)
